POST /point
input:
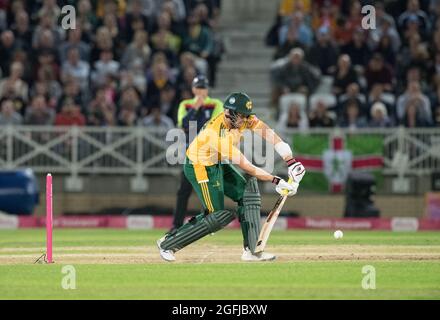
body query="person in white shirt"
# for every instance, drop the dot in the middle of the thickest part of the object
(8, 115)
(157, 120)
(104, 67)
(76, 68)
(414, 94)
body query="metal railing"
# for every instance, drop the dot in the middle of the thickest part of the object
(75, 151)
(141, 151)
(413, 151)
(405, 151)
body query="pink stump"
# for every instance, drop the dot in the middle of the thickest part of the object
(49, 218)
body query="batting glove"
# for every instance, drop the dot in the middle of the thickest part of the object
(284, 188)
(296, 170)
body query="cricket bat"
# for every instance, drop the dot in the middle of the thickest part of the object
(269, 223)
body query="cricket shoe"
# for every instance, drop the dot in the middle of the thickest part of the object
(261, 256)
(167, 255)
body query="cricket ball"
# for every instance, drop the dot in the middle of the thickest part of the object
(338, 234)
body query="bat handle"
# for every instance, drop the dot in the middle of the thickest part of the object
(289, 181)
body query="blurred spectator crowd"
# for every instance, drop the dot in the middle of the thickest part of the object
(330, 71)
(127, 62)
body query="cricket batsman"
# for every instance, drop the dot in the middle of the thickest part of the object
(210, 167)
(198, 110)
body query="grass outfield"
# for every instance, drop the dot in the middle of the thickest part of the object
(124, 264)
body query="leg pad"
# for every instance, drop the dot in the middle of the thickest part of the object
(198, 227)
(250, 214)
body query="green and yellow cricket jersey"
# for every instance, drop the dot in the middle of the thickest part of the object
(216, 142)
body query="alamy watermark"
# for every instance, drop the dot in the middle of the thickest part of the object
(369, 20)
(214, 144)
(68, 22)
(68, 282)
(369, 278)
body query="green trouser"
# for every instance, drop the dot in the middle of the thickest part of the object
(223, 180)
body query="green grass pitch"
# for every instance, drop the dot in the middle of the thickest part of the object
(124, 264)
